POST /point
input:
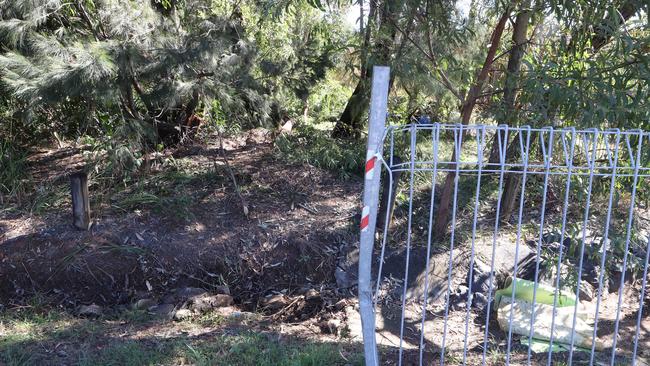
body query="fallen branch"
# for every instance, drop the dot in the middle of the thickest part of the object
(308, 209)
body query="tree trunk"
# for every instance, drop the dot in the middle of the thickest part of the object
(360, 16)
(519, 38)
(472, 14)
(350, 119)
(442, 216)
(386, 203)
(349, 123)
(366, 38)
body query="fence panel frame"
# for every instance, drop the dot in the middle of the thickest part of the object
(561, 163)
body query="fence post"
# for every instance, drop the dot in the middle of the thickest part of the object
(376, 125)
(80, 200)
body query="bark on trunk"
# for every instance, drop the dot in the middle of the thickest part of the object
(442, 217)
(519, 38)
(386, 203)
(510, 192)
(80, 200)
(351, 119)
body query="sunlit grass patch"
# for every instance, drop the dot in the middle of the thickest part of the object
(251, 348)
(33, 337)
(128, 353)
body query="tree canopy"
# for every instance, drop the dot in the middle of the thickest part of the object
(158, 69)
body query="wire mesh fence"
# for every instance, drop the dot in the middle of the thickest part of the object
(507, 245)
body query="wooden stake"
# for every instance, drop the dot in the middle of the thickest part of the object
(80, 200)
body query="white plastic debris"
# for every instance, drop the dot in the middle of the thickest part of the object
(522, 312)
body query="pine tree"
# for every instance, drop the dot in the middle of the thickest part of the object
(147, 62)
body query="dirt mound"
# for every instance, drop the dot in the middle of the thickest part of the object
(95, 268)
(299, 218)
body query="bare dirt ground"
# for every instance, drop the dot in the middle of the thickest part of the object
(287, 242)
(275, 246)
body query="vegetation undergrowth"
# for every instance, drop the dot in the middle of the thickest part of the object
(36, 335)
(315, 147)
(13, 172)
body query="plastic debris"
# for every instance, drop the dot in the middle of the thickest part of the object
(522, 312)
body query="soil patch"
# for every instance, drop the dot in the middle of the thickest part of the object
(190, 232)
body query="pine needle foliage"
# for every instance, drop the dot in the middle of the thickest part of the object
(153, 62)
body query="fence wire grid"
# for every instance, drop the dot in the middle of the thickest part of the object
(544, 259)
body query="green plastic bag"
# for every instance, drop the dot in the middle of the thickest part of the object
(524, 291)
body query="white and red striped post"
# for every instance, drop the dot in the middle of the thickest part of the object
(376, 127)
(371, 166)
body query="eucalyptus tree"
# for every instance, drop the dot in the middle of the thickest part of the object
(388, 36)
(467, 93)
(570, 62)
(593, 70)
(379, 38)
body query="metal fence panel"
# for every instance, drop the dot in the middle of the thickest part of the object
(546, 256)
